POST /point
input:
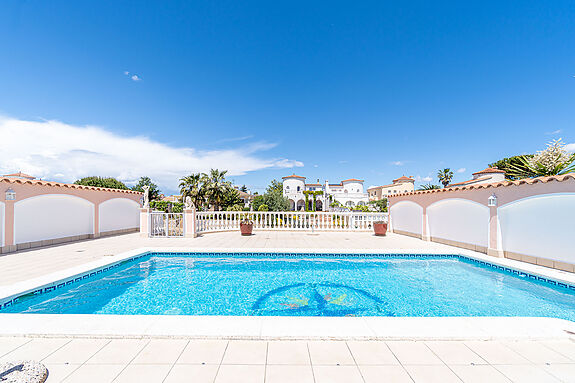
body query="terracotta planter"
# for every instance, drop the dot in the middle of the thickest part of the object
(380, 228)
(246, 228)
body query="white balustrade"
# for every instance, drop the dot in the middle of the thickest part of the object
(288, 220)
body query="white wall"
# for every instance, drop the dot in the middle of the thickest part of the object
(407, 216)
(459, 220)
(353, 187)
(540, 226)
(2, 233)
(119, 214)
(52, 216)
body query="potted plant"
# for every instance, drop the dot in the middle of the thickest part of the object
(380, 228)
(246, 227)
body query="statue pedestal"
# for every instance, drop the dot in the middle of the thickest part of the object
(190, 223)
(145, 222)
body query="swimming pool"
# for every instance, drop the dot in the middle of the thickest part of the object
(304, 285)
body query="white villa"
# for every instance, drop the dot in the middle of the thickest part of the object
(348, 192)
(402, 184)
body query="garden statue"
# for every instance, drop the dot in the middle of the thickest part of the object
(188, 204)
(146, 197)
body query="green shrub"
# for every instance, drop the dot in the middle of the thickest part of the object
(177, 207)
(263, 207)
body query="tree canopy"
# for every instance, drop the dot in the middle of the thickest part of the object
(102, 182)
(153, 192)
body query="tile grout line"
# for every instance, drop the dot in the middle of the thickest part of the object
(14, 349)
(400, 362)
(131, 360)
(354, 361)
(310, 361)
(221, 361)
(442, 361)
(84, 363)
(266, 364)
(176, 361)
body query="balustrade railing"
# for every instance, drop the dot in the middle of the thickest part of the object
(288, 220)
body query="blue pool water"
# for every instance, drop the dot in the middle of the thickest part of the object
(201, 284)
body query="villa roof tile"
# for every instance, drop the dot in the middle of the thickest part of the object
(63, 185)
(20, 174)
(382, 186)
(526, 181)
(293, 176)
(352, 179)
(403, 178)
(489, 171)
(474, 180)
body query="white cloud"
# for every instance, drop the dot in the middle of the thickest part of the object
(343, 162)
(570, 147)
(423, 179)
(554, 132)
(460, 170)
(133, 77)
(315, 166)
(61, 152)
(398, 163)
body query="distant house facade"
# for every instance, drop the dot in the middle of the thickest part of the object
(348, 193)
(486, 176)
(400, 185)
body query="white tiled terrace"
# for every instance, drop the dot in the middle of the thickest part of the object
(222, 361)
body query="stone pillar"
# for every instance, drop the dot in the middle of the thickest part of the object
(9, 244)
(190, 222)
(96, 220)
(145, 222)
(495, 247)
(425, 235)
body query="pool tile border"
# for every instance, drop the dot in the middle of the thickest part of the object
(7, 301)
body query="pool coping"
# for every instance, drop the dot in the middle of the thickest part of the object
(245, 327)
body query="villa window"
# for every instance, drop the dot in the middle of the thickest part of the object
(298, 188)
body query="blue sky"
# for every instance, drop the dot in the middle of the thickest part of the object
(329, 90)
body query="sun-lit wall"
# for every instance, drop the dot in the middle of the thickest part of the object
(459, 220)
(531, 220)
(119, 214)
(45, 213)
(52, 216)
(540, 226)
(406, 217)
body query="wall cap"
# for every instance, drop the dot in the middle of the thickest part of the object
(64, 185)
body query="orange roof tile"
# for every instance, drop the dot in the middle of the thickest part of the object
(404, 178)
(489, 170)
(312, 184)
(293, 176)
(474, 180)
(19, 174)
(526, 181)
(352, 179)
(24, 181)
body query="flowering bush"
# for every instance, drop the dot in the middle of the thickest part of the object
(554, 160)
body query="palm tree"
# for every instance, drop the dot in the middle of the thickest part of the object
(445, 176)
(192, 186)
(216, 187)
(429, 187)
